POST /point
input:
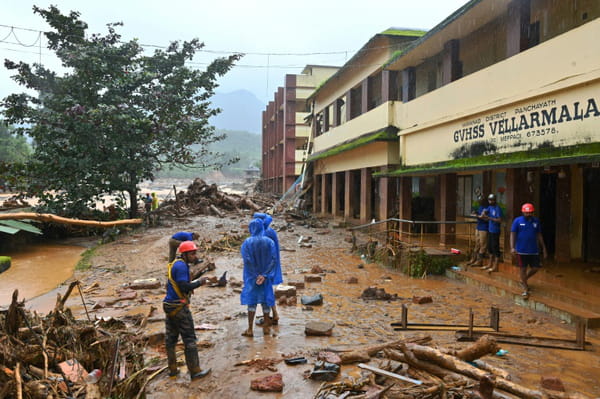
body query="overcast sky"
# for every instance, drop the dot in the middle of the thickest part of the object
(271, 27)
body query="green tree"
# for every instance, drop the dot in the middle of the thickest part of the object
(13, 148)
(115, 118)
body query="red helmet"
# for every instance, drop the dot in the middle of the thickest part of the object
(187, 246)
(527, 208)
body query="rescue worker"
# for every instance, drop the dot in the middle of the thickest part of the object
(154, 202)
(494, 216)
(526, 240)
(278, 276)
(258, 253)
(179, 320)
(176, 240)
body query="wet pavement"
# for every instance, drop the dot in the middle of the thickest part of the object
(358, 322)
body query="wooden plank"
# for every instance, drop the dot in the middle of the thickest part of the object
(440, 327)
(389, 374)
(543, 342)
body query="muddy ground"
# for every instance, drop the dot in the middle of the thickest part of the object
(142, 254)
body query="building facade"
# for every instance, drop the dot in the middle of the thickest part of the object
(285, 128)
(501, 97)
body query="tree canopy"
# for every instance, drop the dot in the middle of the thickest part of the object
(115, 118)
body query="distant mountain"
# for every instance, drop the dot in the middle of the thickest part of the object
(240, 110)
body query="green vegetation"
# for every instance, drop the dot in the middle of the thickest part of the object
(115, 118)
(421, 264)
(86, 259)
(13, 148)
(540, 157)
(404, 32)
(388, 134)
(5, 263)
(244, 147)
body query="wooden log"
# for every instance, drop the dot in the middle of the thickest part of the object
(483, 346)
(48, 217)
(406, 356)
(216, 211)
(492, 369)
(452, 363)
(362, 354)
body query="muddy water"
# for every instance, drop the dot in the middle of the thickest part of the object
(38, 269)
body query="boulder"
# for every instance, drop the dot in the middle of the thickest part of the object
(270, 383)
(319, 328)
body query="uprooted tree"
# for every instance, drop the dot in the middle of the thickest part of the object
(114, 118)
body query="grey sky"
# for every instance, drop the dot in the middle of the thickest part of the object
(262, 26)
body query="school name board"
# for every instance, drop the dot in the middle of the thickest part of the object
(535, 120)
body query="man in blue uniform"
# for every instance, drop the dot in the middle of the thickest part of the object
(176, 240)
(179, 320)
(494, 216)
(278, 276)
(481, 234)
(258, 253)
(525, 241)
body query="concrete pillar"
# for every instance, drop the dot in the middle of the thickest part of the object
(409, 84)
(517, 27)
(405, 203)
(562, 251)
(349, 205)
(451, 66)
(448, 183)
(316, 200)
(324, 194)
(364, 93)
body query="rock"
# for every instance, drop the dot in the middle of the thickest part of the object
(285, 291)
(155, 338)
(361, 266)
(552, 383)
(127, 294)
(311, 278)
(319, 328)
(282, 300)
(378, 293)
(298, 284)
(352, 280)
(73, 370)
(5, 262)
(218, 225)
(291, 301)
(422, 299)
(146, 283)
(316, 270)
(314, 300)
(270, 383)
(329, 357)
(325, 371)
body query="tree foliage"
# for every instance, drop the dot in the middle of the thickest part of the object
(116, 117)
(13, 148)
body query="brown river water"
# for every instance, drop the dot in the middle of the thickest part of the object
(38, 269)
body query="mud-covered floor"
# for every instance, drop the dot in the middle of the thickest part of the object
(143, 254)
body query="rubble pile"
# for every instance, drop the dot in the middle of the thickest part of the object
(206, 199)
(53, 356)
(412, 368)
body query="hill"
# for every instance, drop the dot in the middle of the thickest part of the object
(244, 145)
(240, 111)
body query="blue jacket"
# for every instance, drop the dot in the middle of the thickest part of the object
(258, 253)
(272, 234)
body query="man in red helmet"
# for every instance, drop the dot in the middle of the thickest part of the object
(526, 241)
(179, 320)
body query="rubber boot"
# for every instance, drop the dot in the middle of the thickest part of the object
(172, 362)
(479, 261)
(494, 265)
(192, 361)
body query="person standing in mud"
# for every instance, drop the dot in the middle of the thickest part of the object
(147, 203)
(481, 234)
(179, 320)
(258, 254)
(494, 215)
(278, 276)
(525, 242)
(176, 240)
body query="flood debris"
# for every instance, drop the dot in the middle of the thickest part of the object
(50, 356)
(410, 368)
(319, 328)
(379, 294)
(201, 198)
(270, 383)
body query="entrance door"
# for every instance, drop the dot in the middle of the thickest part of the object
(547, 212)
(591, 215)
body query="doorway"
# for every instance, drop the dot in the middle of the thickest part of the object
(591, 215)
(548, 210)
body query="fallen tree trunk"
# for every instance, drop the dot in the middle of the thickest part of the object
(48, 217)
(484, 346)
(362, 355)
(452, 363)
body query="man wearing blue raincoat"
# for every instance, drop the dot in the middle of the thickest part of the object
(278, 278)
(258, 253)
